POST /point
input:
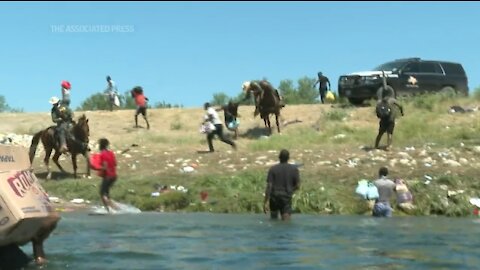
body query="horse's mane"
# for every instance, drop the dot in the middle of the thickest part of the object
(80, 129)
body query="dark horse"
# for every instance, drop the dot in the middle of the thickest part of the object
(81, 133)
(268, 103)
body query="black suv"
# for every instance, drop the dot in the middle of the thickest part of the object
(406, 77)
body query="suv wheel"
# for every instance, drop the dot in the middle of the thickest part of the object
(356, 101)
(448, 91)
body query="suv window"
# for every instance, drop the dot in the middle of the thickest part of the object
(412, 68)
(438, 69)
(454, 69)
(390, 66)
(429, 67)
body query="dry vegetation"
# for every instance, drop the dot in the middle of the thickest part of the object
(331, 141)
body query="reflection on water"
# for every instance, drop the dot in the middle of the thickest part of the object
(216, 241)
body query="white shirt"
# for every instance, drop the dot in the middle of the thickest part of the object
(111, 89)
(214, 116)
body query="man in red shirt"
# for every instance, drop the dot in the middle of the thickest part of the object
(141, 101)
(108, 172)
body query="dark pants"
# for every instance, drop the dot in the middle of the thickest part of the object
(323, 92)
(382, 209)
(219, 131)
(143, 112)
(62, 133)
(280, 203)
(386, 125)
(107, 183)
(12, 257)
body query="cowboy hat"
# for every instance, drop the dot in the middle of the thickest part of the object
(54, 100)
(246, 85)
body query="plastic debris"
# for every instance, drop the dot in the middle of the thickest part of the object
(475, 201)
(54, 199)
(77, 201)
(188, 169)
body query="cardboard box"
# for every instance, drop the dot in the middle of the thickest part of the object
(24, 204)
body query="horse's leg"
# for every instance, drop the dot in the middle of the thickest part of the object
(74, 162)
(278, 125)
(46, 161)
(265, 122)
(55, 159)
(87, 161)
(269, 125)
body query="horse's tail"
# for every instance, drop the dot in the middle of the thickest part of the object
(33, 146)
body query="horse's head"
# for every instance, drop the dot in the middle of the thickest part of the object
(81, 129)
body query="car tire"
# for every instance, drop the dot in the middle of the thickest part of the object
(448, 91)
(388, 88)
(356, 101)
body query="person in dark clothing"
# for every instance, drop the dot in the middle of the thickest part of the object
(322, 86)
(212, 117)
(13, 257)
(282, 181)
(387, 123)
(62, 116)
(230, 113)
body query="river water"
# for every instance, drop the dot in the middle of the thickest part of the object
(228, 241)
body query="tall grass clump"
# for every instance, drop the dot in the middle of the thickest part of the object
(336, 115)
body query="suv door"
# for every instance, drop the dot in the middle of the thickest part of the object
(431, 76)
(408, 79)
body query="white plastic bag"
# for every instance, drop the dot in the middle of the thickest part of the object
(207, 127)
(116, 101)
(367, 190)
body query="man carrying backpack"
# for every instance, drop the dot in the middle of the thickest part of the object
(386, 112)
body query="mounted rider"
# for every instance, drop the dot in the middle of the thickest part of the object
(258, 89)
(62, 115)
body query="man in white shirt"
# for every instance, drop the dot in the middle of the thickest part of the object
(111, 92)
(212, 116)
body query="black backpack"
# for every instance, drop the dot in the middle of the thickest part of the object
(383, 110)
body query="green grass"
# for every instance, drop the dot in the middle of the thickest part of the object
(336, 115)
(178, 140)
(300, 136)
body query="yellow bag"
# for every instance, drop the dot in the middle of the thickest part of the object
(330, 97)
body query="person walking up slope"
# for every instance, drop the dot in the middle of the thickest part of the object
(141, 101)
(386, 111)
(212, 116)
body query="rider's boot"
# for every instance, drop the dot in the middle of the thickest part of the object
(63, 142)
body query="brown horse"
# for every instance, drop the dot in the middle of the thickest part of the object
(80, 132)
(268, 102)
